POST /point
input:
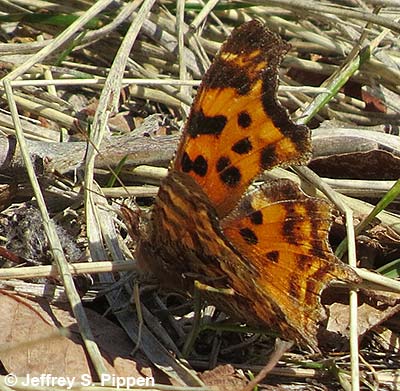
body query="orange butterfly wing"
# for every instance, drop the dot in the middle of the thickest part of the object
(271, 250)
(236, 127)
(283, 234)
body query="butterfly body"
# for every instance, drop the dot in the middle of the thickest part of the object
(268, 246)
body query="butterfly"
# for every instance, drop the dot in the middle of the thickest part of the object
(267, 246)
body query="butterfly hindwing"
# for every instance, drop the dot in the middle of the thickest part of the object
(284, 234)
(236, 127)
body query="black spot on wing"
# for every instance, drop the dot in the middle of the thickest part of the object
(198, 124)
(231, 176)
(249, 236)
(199, 166)
(273, 256)
(244, 119)
(222, 163)
(242, 146)
(268, 157)
(186, 163)
(256, 217)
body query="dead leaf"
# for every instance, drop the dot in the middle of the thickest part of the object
(354, 153)
(26, 320)
(373, 165)
(224, 378)
(371, 313)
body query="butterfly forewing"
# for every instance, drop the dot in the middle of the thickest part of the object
(236, 127)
